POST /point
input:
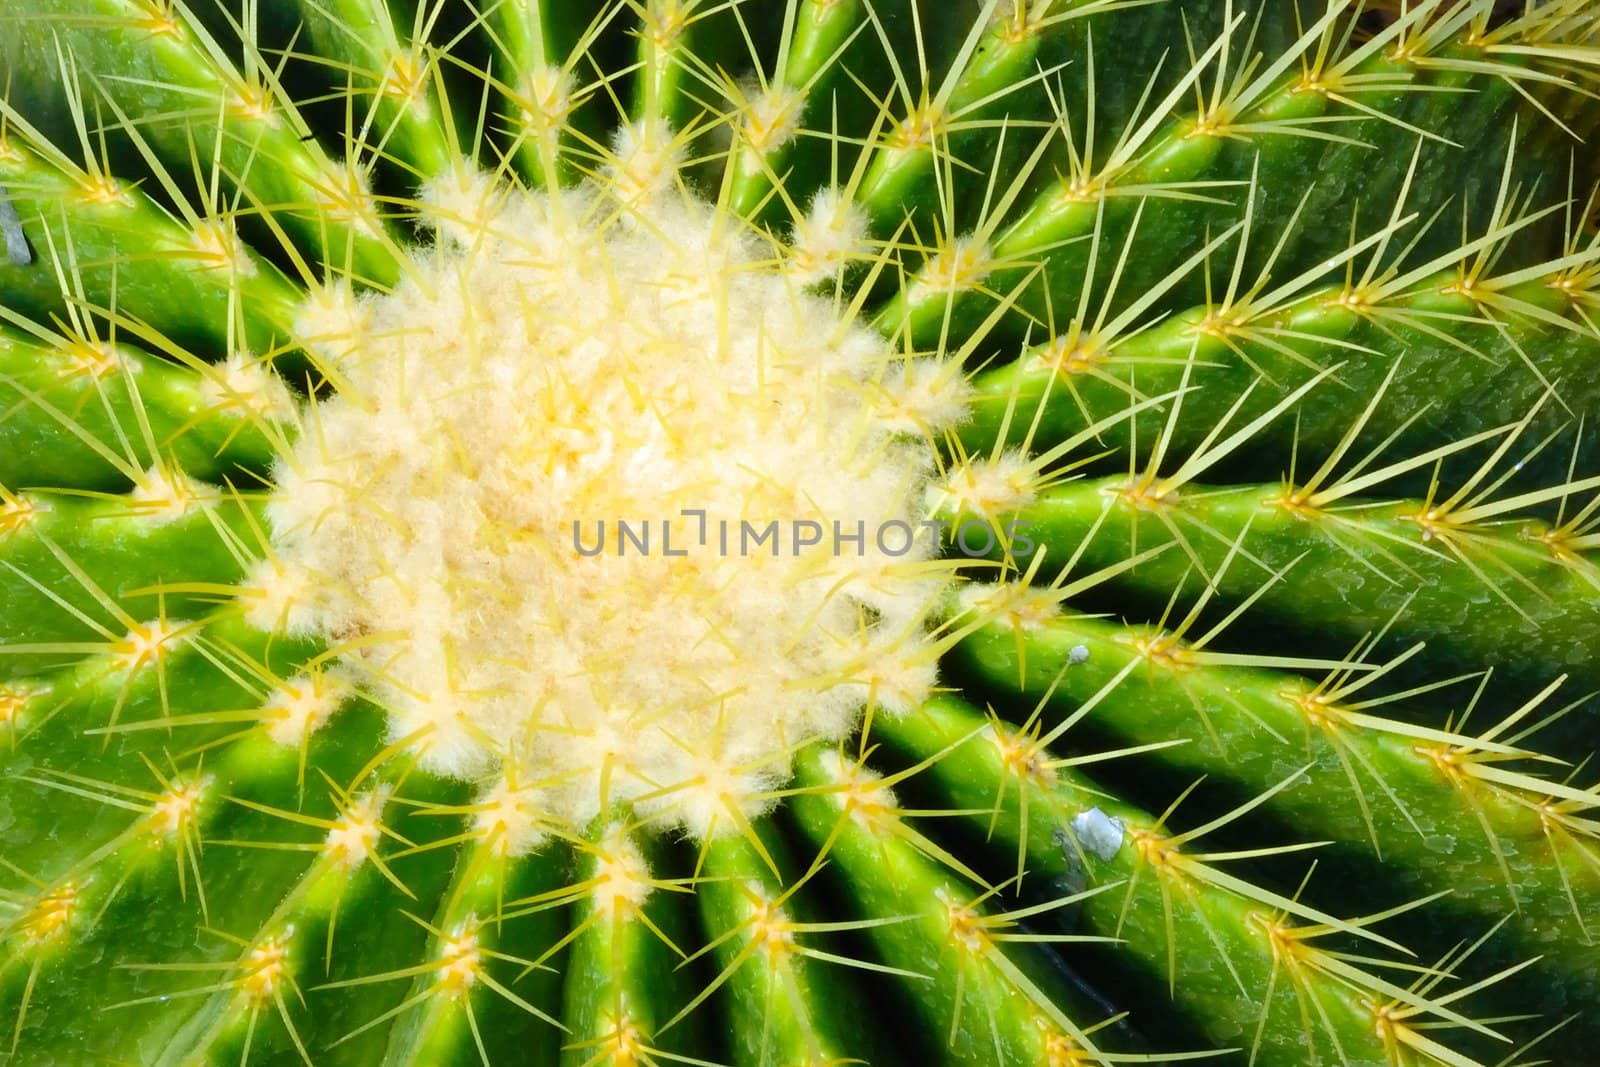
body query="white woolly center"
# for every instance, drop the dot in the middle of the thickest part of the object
(553, 365)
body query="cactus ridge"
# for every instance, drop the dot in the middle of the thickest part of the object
(1166, 429)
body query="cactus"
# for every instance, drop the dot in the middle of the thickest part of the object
(795, 533)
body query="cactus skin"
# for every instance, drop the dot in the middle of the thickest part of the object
(1277, 326)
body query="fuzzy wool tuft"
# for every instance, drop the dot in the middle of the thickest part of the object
(614, 353)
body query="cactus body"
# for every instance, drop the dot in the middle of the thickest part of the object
(825, 531)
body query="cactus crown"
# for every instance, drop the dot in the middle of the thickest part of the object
(625, 366)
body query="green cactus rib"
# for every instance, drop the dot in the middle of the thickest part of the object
(1168, 181)
(1410, 791)
(546, 42)
(400, 110)
(667, 40)
(1240, 360)
(808, 69)
(91, 574)
(1254, 341)
(66, 407)
(1454, 573)
(785, 1006)
(623, 983)
(1142, 887)
(100, 235)
(994, 995)
(186, 99)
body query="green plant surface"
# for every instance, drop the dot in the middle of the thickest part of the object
(1095, 519)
